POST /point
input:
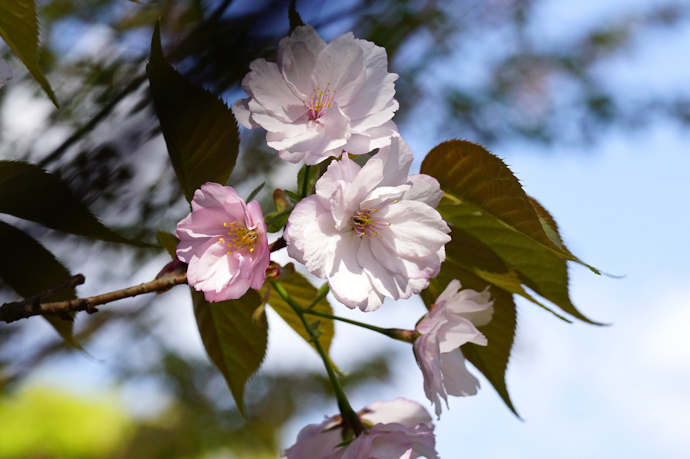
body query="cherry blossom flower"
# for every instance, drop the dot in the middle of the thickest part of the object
(320, 99)
(372, 231)
(450, 323)
(5, 72)
(399, 428)
(224, 241)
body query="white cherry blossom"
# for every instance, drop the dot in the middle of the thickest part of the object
(398, 428)
(449, 324)
(372, 231)
(319, 99)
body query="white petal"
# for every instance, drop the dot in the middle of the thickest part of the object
(341, 64)
(456, 378)
(418, 230)
(344, 170)
(296, 57)
(456, 332)
(424, 189)
(347, 279)
(241, 110)
(400, 410)
(397, 159)
(266, 85)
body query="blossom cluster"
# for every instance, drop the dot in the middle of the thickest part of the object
(371, 231)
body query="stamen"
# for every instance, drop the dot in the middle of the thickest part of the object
(365, 224)
(319, 101)
(240, 237)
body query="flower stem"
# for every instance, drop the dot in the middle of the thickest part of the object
(349, 415)
(395, 333)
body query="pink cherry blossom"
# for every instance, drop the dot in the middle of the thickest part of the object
(224, 241)
(450, 323)
(399, 428)
(372, 231)
(320, 99)
(5, 72)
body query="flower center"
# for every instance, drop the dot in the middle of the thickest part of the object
(241, 237)
(365, 224)
(319, 101)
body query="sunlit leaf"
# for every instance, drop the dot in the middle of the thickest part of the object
(19, 29)
(490, 360)
(485, 200)
(479, 259)
(29, 192)
(303, 292)
(29, 268)
(199, 129)
(233, 340)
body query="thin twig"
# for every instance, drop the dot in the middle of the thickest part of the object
(9, 312)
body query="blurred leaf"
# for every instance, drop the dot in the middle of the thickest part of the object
(293, 15)
(233, 341)
(304, 293)
(44, 422)
(19, 29)
(29, 192)
(199, 129)
(169, 242)
(29, 268)
(490, 360)
(485, 200)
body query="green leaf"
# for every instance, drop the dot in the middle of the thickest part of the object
(490, 360)
(199, 129)
(304, 293)
(276, 221)
(233, 341)
(256, 191)
(293, 15)
(313, 175)
(484, 199)
(479, 259)
(29, 268)
(19, 29)
(169, 242)
(29, 192)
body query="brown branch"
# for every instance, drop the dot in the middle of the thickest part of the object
(9, 312)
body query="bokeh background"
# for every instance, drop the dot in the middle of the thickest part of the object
(589, 104)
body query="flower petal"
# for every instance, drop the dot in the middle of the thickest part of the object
(456, 378)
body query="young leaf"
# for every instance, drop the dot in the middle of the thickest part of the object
(19, 29)
(29, 268)
(485, 200)
(29, 192)
(233, 341)
(303, 292)
(490, 360)
(199, 129)
(256, 191)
